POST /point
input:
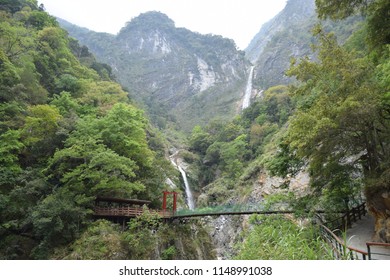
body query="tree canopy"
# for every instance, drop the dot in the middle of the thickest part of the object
(68, 134)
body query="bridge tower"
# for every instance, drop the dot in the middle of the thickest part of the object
(174, 203)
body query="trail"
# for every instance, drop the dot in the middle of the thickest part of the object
(363, 231)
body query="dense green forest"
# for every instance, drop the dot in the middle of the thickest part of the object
(334, 118)
(69, 133)
(333, 122)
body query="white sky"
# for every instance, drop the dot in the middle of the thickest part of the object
(239, 20)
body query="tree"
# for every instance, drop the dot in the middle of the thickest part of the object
(339, 125)
(10, 146)
(39, 133)
(12, 6)
(123, 131)
(340, 9)
(377, 12)
(8, 78)
(58, 220)
(199, 140)
(233, 156)
(86, 166)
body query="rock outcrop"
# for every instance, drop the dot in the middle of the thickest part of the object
(379, 206)
(179, 74)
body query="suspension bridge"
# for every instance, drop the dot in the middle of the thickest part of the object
(130, 208)
(121, 210)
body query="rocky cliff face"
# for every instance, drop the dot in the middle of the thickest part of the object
(289, 35)
(189, 76)
(286, 35)
(378, 205)
(228, 231)
(295, 13)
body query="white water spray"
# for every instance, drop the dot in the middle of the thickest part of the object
(189, 196)
(248, 90)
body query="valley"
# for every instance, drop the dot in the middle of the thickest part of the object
(297, 122)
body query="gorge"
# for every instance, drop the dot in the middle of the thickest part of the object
(298, 121)
(213, 84)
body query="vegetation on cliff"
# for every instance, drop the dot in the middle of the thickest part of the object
(184, 78)
(68, 133)
(333, 121)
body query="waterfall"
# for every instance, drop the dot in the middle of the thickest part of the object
(189, 196)
(248, 90)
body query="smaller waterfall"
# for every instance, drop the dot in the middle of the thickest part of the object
(248, 90)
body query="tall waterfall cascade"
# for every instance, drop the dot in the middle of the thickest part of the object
(248, 91)
(189, 196)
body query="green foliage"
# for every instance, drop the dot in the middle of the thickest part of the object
(123, 131)
(169, 253)
(41, 123)
(277, 238)
(8, 77)
(226, 150)
(377, 13)
(199, 140)
(338, 9)
(87, 166)
(340, 125)
(10, 146)
(67, 134)
(284, 162)
(59, 214)
(101, 241)
(13, 6)
(141, 238)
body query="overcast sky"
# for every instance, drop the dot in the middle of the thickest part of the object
(239, 20)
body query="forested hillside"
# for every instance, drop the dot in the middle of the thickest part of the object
(316, 138)
(184, 78)
(288, 35)
(68, 133)
(332, 122)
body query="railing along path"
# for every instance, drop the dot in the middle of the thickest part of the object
(340, 249)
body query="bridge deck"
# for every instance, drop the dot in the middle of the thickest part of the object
(137, 211)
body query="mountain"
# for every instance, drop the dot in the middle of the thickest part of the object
(289, 35)
(286, 35)
(295, 13)
(180, 75)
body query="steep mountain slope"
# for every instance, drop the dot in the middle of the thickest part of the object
(178, 73)
(295, 13)
(286, 35)
(289, 35)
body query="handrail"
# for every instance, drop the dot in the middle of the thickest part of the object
(372, 252)
(127, 212)
(350, 216)
(340, 249)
